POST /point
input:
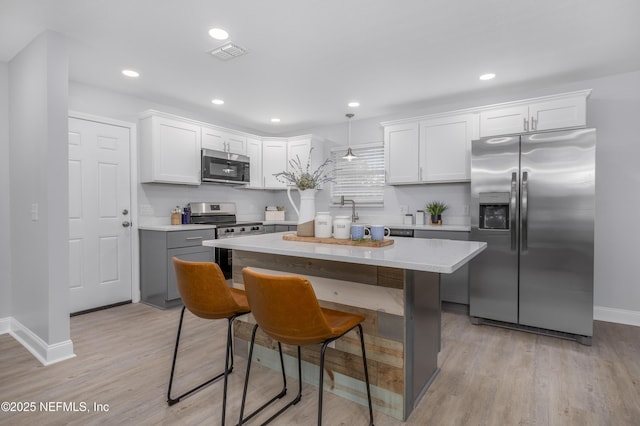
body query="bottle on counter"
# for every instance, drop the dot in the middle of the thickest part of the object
(323, 223)
(176, 216)
(186, 216)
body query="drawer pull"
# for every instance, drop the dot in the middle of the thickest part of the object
(194, 238)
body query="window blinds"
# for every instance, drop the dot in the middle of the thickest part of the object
(361, 179)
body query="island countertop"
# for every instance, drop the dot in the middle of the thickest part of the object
(418, 254)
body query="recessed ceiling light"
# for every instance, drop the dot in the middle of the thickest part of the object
(217, 101)
(275, 120)
(218, 33)
(487, 76)
(353, 104)
(131, 73)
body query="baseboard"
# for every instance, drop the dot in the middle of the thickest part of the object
(621, 316)
(4, 325)
(45, 353)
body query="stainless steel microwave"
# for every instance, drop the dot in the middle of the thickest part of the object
(224, 167)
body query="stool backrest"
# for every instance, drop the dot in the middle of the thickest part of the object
(285, 307)
(203, 289)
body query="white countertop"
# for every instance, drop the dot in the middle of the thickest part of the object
(419, 254)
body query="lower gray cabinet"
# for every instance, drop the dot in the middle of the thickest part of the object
(453, 287)
(157, 278)
(269, 229)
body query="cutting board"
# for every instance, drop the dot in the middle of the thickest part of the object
(360, 243)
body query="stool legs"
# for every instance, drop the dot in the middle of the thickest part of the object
(366, 375)
(299, 395)
(278, 396)
(227, 368)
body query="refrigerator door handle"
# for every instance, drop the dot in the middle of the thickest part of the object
(512, 212)
(524, 211)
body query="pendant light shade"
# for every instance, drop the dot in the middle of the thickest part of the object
(349, 155)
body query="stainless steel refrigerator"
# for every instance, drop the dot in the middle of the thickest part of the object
(533, 202)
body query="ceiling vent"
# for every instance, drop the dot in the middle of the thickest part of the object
(228, 51)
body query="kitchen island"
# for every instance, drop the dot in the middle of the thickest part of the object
(396, 288)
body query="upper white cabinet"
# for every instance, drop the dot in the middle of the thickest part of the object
(551, 112)
(301, 147)
(219, 140)
(274, 160)
(437, 148)
(254, 152)
(430, 150)
(401, 153)
(445, 148)
(169, 150)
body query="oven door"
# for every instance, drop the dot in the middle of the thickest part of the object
(224, 260)
(222, 167)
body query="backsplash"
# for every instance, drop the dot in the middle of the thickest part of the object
(155, 202)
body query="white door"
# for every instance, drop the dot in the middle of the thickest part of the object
(99, 205)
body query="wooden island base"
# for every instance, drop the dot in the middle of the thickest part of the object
(402, 329)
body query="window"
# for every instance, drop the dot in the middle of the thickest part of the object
(361, 179)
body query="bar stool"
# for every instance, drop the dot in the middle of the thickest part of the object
(206, 294)
(287, 310)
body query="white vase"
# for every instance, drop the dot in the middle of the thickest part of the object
(306, 213)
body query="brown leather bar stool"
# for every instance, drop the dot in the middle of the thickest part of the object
(287, 310)
(206, 294)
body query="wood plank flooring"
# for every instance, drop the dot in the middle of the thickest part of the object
(489, 376)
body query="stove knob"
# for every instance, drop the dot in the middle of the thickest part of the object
(242, 229)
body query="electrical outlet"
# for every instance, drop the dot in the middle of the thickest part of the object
(34, 212)
(466, 209)
(404, 209)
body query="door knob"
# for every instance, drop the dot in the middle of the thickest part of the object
(126, 224)
(125, 212)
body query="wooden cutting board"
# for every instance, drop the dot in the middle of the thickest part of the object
(361, 243)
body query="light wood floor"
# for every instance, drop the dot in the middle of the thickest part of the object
(490, 376)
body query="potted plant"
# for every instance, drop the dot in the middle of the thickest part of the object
(435, 209)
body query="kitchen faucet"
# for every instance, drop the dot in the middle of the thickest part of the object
(354, 215)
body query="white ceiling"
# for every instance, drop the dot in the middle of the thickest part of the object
(307, 58)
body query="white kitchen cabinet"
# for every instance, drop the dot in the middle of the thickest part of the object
(274, 160)
(445, 148)
(401, 153)
(169, 150)
(303, 146)
(431, 150)
(219, 140)
(254, 152)
(548, 113)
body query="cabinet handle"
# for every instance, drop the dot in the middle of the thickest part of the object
(526, 124)
(534, 124)
(194, 238)
(420, 177)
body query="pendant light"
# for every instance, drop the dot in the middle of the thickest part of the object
(349, 155)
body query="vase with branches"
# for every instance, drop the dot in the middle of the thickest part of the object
(307, 182)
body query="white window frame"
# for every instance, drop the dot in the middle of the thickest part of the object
(374, 173)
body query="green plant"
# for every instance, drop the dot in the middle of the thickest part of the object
(302, 177)
(436, 208)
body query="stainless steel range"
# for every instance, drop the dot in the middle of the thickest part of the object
(223, 216)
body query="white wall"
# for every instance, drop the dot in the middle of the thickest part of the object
(38, 92)
(5, 217)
